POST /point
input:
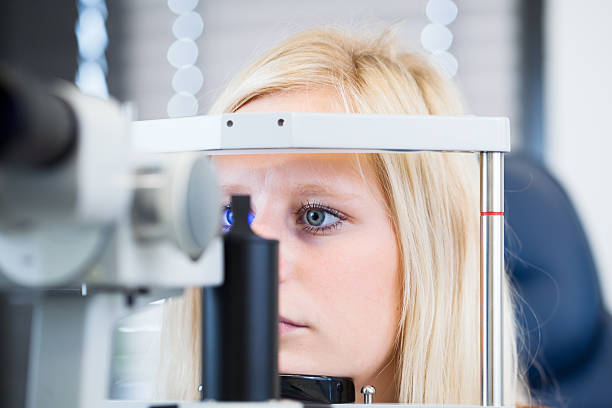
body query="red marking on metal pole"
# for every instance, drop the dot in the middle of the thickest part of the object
(485, 213)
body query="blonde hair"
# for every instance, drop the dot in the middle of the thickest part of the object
(432, 199)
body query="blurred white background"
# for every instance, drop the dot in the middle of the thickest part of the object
(579, 108)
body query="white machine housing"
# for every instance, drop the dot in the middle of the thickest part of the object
(320, 132)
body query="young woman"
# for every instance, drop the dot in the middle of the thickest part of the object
(379, 253)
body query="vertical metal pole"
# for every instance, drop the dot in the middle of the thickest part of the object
(491, 276)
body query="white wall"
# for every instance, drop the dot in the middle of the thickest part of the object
(579, 116)
(236, 31)
(485, 41)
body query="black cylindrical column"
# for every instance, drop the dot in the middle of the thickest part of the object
(240, 361)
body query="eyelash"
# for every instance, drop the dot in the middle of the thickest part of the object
(311, 229)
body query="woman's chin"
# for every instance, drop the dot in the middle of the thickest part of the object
(292, 362)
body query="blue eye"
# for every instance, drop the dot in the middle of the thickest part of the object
(228, 218)
(317, 217)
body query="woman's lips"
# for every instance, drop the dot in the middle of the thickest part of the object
(286, 326)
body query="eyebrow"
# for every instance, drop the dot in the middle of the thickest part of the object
(318, 189)
(301, 189)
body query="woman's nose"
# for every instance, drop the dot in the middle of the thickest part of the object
(271, 231)
(264, 228)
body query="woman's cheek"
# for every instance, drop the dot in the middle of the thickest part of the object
(339, 277)
(362, 297)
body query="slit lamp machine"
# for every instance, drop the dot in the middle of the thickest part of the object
(99, 214)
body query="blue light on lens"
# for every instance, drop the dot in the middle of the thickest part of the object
(228, 219)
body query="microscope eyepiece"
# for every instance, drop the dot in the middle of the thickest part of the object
(37, 127)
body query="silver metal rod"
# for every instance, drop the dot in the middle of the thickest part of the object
(368, 391)
(491, 276)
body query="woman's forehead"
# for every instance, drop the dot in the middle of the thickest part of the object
(287, 160)
(305, 171)
(315, 99)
